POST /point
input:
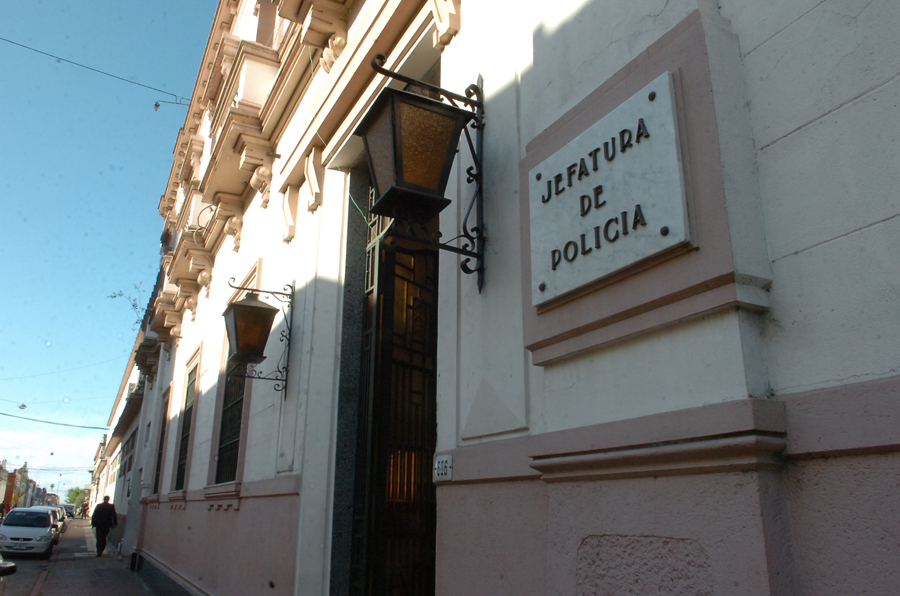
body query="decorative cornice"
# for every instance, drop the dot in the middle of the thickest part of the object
(221, 67)
(146, 357)
(353, 85)
(446, 21)
(233, 228)
(195, 156)
(324, 19)
(189, 296)
(247, 52)
(293, 10)
(167, 317)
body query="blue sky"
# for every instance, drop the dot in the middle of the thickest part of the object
(84, 159)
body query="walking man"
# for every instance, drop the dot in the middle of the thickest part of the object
(103, 520)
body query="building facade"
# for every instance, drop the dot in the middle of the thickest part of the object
(679, 377)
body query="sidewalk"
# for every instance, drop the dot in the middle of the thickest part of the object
(75, 570)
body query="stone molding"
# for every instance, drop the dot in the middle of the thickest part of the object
(230, 490)
(742, 435)
(741, 453)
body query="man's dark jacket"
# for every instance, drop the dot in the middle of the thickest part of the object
(104, 516)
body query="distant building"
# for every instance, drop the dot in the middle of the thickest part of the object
(4, 483)
(99, 475)
(121, 454)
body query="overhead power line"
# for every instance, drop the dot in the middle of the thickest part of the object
(97, 70)
(55, 423)
(56, 372)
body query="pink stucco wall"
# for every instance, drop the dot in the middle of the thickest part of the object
(790, 496)
(221, 550)
(845, 515)
(686, 535)
(491, 539)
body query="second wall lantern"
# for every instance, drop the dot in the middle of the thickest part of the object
(248, 323)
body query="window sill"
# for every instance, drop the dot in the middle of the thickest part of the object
(176, 495)
(227, 490)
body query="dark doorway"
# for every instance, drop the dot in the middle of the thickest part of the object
(394, 513)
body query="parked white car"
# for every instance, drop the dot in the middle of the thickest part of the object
(27, 531)
(57, 514)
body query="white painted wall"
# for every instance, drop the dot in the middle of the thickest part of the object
(806, 99)
(823, 90)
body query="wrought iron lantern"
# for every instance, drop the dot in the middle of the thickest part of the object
(248, 324)
(411, 141)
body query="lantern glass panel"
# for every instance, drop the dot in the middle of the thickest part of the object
(425, 138)
(380, 146)
(248, 324)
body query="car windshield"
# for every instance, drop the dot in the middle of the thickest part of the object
(28, 519)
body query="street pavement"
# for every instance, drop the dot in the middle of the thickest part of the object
(75, 570)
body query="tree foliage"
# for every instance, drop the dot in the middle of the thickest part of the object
(136, 303)
(75, 496)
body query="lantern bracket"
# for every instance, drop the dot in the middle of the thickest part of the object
(472, 236)
(280, 375)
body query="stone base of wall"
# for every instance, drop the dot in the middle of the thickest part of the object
(787, 496)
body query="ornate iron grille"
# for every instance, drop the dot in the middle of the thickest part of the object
(162, 444)
(230, 429)
(394, 513)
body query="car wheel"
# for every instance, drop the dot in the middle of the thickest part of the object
(49, 553)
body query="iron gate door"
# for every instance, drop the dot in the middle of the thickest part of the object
(394, 510)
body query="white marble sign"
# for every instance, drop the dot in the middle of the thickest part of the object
(610, 198)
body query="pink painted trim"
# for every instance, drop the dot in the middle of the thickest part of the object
(638, 300)
(852, 419)
(643, 319)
